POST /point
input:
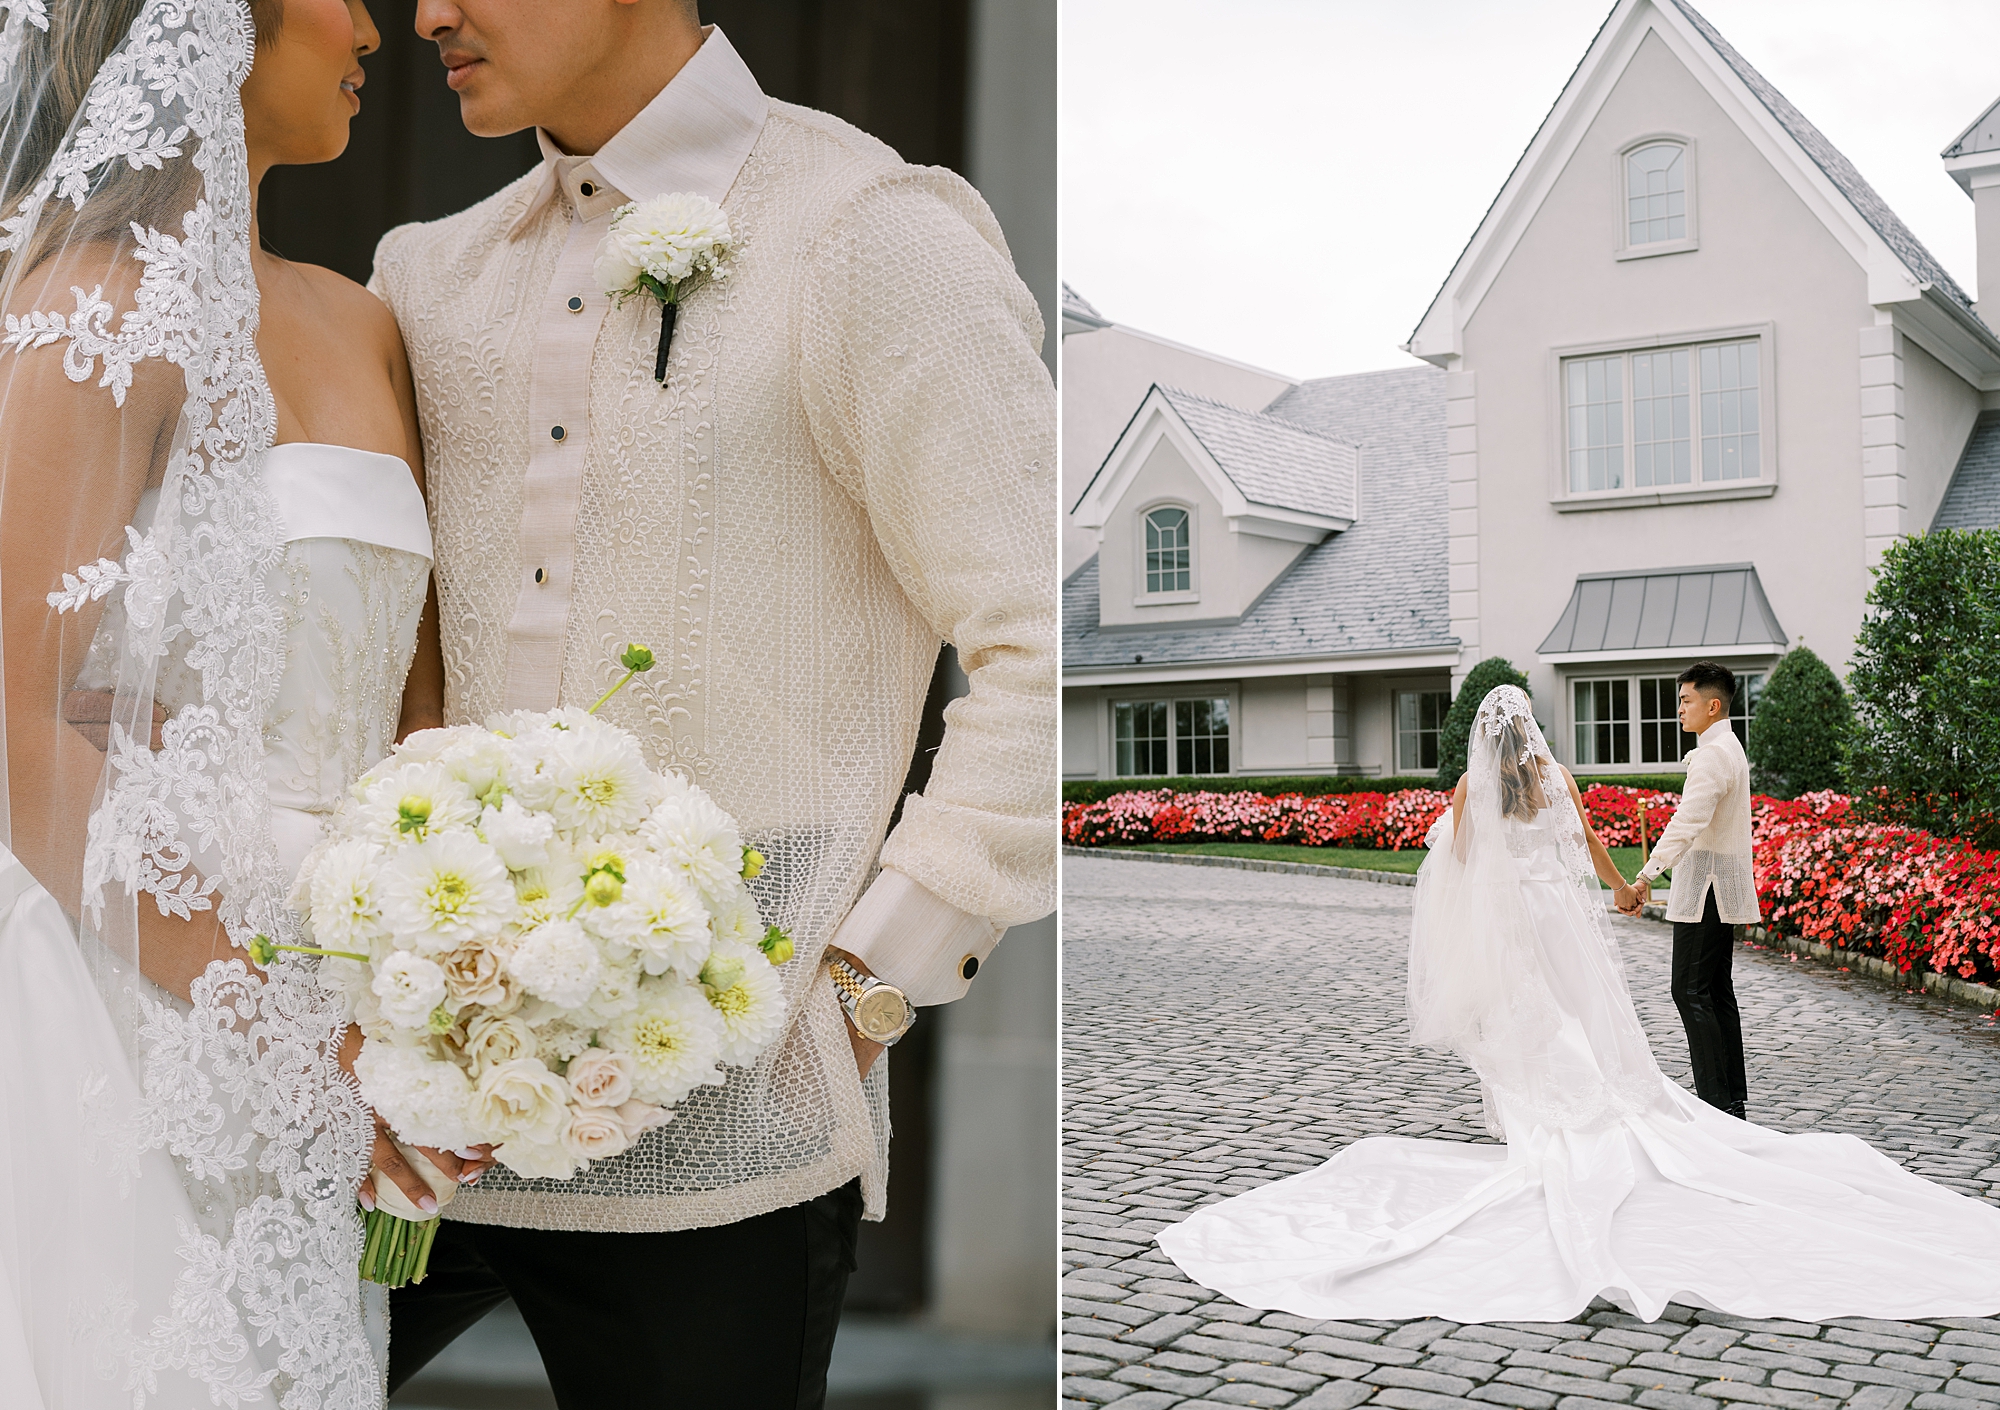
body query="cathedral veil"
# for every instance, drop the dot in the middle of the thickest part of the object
(179, 1217)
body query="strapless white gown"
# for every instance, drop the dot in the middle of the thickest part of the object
(1652, 1197)
(99, 1301)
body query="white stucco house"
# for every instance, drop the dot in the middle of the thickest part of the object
(1688, 380)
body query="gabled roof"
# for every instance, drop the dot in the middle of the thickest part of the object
(1678, 610)
(1270, 459)
(1379, 587)
(1983, 135)
(1901, 270)
(1972, 500)
(1829, 159)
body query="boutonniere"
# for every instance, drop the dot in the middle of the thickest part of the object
(663, 249)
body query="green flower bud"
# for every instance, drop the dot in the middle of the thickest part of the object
(722, 972)
(776, 945)
(441, 1020)
(637, 658)
(263, 950)
(603, 888)
(753, 863)
(412, 813)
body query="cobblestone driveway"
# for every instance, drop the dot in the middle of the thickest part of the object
(1224, 1028)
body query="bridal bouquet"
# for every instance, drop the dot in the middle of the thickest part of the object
(547, 945)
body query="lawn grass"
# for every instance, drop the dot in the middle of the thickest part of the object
(1628, 859)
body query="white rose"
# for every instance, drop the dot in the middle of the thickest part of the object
(472, 974)
(638, 1116)
(491, 1041)
(519, 1100)
(600, 1077)
(557, 962)
(538, 1160)
(409, 987)
(595, 1133)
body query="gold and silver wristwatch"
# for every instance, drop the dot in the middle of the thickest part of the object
(879, 1011)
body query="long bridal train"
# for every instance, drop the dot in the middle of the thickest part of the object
(1613, 1181)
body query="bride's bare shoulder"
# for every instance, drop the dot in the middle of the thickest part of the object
(349, 306)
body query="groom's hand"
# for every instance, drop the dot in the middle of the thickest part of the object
(1642, 890)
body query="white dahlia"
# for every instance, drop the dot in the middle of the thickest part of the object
(346, 913)
(660, 918)
(736, 918)
(557, 962)
(426, 1101)
(743, 989)
(675, 1039)
(519, 836)
(547, 892)
(599, 782)
(407, 802)
(667, 239)
(445, 890)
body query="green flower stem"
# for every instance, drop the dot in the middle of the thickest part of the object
(396, 1251)
(611, 692)
(262, 950)
(637, 658)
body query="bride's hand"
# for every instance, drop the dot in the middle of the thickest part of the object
(389, 1161)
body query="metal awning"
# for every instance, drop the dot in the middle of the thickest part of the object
(1717, 610)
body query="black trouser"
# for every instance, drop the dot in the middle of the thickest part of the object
(1707, 1001)
(739, 1315)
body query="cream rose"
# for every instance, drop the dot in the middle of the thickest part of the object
(637, 1116)
(600, 1077)
(595, 1133)
(520, 1100)
(491, 1040)
(472, 974)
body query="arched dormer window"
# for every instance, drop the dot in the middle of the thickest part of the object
(1169, 550)
(1656, 194)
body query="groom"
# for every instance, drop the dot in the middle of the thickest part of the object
(850, 458)
(1708, 846)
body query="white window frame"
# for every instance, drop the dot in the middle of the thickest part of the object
(1404, 769)
(1143, 598)
(1565, 500)
(1625, 249)
(1172, 696)
(1746, 695)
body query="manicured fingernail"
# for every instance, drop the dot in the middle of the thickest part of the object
(367, 1198)
(467, 1153)
(467, 1177)
(428, 1205)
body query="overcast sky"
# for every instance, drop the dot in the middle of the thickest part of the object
(1287, 182)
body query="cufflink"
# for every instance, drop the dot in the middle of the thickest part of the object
(968, 967)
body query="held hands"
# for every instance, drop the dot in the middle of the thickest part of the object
(1630, 899)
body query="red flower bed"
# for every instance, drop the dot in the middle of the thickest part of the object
(1896, 892)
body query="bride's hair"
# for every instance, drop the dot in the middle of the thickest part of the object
(1521, 791)
(55, 71)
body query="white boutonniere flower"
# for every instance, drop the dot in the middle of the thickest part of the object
(664, 249)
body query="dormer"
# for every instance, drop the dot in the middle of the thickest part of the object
(1200, 508)
(1973, 160)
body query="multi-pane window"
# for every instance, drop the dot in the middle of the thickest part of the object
(1201, 736)
(1139, 731)
(1153, 738)
(1661, 418)
(1597, 423)
(1680, 398)
(1656, 193)
(1603, 721)
(1169, 562)
(1729, 412)
(1419, 715)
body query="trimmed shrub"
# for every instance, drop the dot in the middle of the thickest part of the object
(1457, 726)
(1096, 790)
(1802, 723)
(1926, 681)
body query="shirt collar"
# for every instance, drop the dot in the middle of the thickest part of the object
(1709, 735)
(694, 136)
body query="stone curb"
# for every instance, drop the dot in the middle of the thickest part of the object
(1940, 986)
(1195, 859)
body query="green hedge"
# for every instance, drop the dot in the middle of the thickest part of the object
(1095, 790)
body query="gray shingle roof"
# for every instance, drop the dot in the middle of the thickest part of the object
(1829, 159)
(1972, 501)
(1379, 586)
(1674, 609)
(1077, 313)
(1270, 459)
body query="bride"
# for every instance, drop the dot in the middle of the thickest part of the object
(1613, 1181)
(214, 569)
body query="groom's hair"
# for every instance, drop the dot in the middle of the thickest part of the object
(1710, 678)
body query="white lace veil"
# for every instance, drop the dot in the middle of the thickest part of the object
(1497, 969)
(141, 652)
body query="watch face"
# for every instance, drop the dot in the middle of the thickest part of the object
(881, 1014)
